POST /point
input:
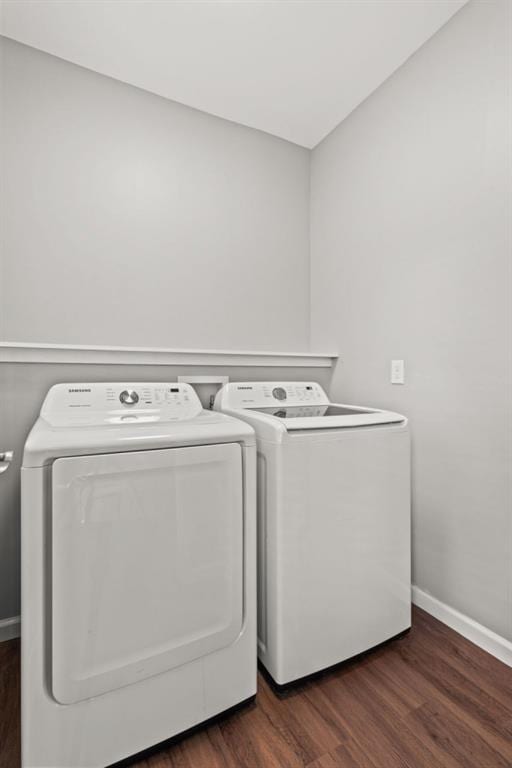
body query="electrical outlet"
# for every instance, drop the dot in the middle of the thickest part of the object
(397, 372)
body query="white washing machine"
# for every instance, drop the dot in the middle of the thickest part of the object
(138, 571)
(333, 524)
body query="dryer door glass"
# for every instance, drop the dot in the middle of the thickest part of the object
(147, 564)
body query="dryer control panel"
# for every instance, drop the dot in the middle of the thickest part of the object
(265, 394)
(119, 403)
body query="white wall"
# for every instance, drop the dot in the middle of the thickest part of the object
(411, 258)
(132, 220)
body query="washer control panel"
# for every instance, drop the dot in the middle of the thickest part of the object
(119, 403)
(265, 394)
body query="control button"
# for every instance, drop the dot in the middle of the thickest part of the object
(279, 393)
(129, 397)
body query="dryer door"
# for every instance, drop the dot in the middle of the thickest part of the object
(147, 564)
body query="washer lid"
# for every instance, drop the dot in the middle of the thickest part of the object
(333, 415)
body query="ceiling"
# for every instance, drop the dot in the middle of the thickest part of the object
(292, 68)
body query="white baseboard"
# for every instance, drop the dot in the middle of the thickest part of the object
(9, 628)
(485, 638)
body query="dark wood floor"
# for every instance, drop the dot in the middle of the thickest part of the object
(427, 700)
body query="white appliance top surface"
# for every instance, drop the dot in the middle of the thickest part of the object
(297, 406)
(81, 419)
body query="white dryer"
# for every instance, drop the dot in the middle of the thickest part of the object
(333, 524)
(138, 571)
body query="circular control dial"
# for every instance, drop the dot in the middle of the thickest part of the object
(279, 393)
(129, 397)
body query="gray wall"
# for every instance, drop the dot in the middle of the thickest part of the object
(23, 388)
(132, 220)
(411, 258)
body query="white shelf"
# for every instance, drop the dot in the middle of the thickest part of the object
(22, 352)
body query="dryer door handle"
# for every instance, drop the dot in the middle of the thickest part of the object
(5, 459)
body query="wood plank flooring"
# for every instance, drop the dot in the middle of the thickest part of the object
(427, 700)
